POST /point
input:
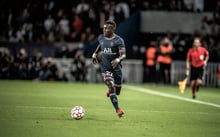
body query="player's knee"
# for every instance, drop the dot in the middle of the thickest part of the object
(199, 81)
(109, 83)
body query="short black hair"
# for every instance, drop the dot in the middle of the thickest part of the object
(111, 22)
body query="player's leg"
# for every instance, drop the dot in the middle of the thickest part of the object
(167, 76)
(161, 73)
(117, 90)
(113, 98)
(117, 74)
(193, 77)
(198, 84)
(200, 78)
(112, 94)
(118, 80)
(109, 80)
(193, 88)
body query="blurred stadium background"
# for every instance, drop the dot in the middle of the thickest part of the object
(54, 40)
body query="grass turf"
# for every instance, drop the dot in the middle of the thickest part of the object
(42, 109)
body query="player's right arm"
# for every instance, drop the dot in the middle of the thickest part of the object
(206, 57)
(188, 63)
(94, 55)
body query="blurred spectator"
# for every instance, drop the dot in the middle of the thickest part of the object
(80, 70)
(150, 64)
(29, 34)
(113, 15)
(145, 5)
(134, 6)
(6, 63)
(49, 70)
(9, 18)
(179, 43)
(164, 59)
(122, 7)
(64, 26)
(87, 35)
(82, 7)
(135, 52)
(49, 23)
(77, 25)
(92, 18)
(16, 36)
(34, 66)
(188, 5)
(204, 26)
(39, 32)
(198, 5)
(20, 67)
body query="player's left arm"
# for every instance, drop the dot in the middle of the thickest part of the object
(122, 53)
(119, 59)
(206, 58)
(188, 62)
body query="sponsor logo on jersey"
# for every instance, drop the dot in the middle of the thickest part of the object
(107, 50)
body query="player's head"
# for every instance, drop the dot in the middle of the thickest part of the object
(109, 28)
(196, 42)
(166, 41)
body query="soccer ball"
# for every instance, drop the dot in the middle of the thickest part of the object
(77, 112)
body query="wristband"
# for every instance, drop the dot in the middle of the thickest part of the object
(94, 55)
(117, 59)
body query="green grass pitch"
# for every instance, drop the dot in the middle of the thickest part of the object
(42, 109)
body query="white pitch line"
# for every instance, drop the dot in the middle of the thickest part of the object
(154, 92)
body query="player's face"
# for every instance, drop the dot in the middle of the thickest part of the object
(196, 43)
(108, 30)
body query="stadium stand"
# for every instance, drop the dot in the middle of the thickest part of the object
(73, 25)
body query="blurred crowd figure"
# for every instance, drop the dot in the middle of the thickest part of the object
(48, 70)
(80, 68)
(164, 60)
(36, 67)
(150, 63)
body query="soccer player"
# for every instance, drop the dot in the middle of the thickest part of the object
(196, 61)
(113, 51)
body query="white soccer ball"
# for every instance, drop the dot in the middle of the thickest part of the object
(77, 112)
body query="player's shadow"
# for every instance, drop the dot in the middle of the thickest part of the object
(100, 119)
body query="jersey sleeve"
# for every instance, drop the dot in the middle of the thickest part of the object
(121, 45)
(99, 38)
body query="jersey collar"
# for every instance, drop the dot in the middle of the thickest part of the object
(111, 37)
